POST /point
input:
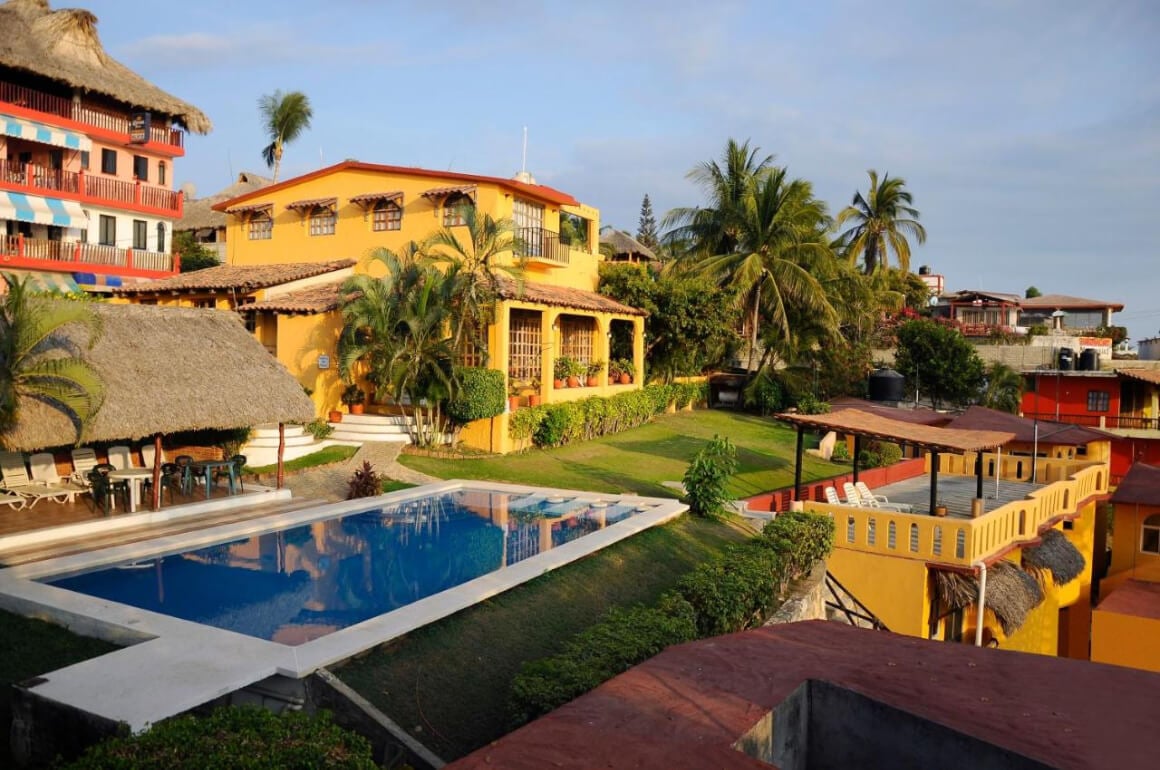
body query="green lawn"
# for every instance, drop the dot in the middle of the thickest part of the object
(447, 683)
(31, 648)
(638, 460)
(324, 456)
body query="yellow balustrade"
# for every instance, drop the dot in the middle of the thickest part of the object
(1011, 467)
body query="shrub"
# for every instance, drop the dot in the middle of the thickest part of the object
(235, 737)
(841, 452)
(557, 424)
(736, 591)
(614, 645)
(868, 458)
(364, 482)
(523, 424)
(809, 404)
(879, 453)
(320, 429)
(480, 395)
(765, 395)
(708, 476)
(553, 429)
(802, 539)
(889, 453)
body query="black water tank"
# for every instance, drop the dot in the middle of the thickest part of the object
(1089, 360)
(1066, 359)
(887, 385)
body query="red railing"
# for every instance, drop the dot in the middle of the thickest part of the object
(1112, 421)
(80, 254)
(105, 188)
(985, 330)
(82, 112)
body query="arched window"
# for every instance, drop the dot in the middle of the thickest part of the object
(161, 237)
(1150, 534)
(850, 534)
(455, 209)
(386, 215)
(322, 220)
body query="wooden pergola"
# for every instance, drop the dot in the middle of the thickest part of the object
(860, 424)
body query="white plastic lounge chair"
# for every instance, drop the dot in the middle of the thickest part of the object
(832, 496)
(852, 496)
(17, 481)
(42, 470)
(871, 500)
(866, 494)
(120, 457)
(84, 460)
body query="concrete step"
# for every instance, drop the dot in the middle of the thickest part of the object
(302, 439)
(343, 435)
(365, 429)
(271, 431)
(374, 419)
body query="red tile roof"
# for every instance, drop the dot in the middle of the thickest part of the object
(1144, 375)
(559, 296)
(1141, 485)
(394, 195)
(1065, 302)
(855, 421)
(536, 191)
(237, 277)
(1134, 597)
(310, 203)
(1066, 434)
(311, 300)
(918, 416)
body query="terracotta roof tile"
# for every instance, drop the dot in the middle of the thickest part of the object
(395, 195)
(918, 416)
(310, 203)
(1144, 375)
(876, 426)
(248, 208)
(244, 278)
(1141, 485)
(1063, 302)
(982, 418)
(443, 192)
(559, 296)
(312, 300)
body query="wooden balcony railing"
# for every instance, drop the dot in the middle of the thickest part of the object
(78, 255)
(83, 112)
(50, 181)
(536, 243)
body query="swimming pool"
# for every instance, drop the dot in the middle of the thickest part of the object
(297, 584)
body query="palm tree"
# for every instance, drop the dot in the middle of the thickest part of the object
(475, 266)
(882, 220)
(1004, 389)
(36, 363)
(284, 117)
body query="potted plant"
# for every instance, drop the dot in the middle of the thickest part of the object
(514, 396)
(593, 369)
(560, 369)
(626, 371)
(576, 370)
(940, 508)
(354, 398)
(534, 396)
(613, 372)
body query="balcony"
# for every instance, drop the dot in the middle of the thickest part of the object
(83, 112)
(539, 245)
(87, 188)
(1102, 421)
(41, 254)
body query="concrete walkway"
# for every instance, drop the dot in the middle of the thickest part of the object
(330, 482)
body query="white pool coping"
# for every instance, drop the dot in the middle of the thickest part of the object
(174, 665)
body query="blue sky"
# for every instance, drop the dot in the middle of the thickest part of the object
(1029, 132)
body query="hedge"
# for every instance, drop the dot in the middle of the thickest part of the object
(738, 590)
(245, 738)
(480, 395)
(558, 424)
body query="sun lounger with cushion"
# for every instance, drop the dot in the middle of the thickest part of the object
(17, 481)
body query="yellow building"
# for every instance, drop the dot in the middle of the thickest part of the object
(919, 556)
(324, 219)
(1126, 620)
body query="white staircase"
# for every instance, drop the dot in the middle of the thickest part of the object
(372, 427)
(262, 448)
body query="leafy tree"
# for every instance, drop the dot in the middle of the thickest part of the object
(194, 256)
(34, 361)
(939, 361)
(1116, 334)
(284, 117)
(882, 220)
(646, 230)
(1032, 292)
(1003, 389)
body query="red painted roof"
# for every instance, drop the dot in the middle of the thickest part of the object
(1134, 597)
(1141, 485)
(537, 191)
(686, 707)
(1062, 433)
(1065, 302)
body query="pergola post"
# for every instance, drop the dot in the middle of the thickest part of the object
(157, 472)
(281, 451)
(979, 474)
(797, 466)
(933, 481)
(857, 451)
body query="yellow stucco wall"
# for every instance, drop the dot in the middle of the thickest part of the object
(1125, 640)
(1126, 554)
(1038, 634)
(891, 588)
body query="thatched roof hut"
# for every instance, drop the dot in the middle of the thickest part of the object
(167, 370)
(1011, 593)
(1054, 554)
(64, 46)
(623, 244)
(199, 213)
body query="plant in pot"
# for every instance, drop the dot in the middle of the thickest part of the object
(613, 372)
(576, 370)
(593, 369)
(626, 371)
(534, 396)
(354, 398)
(514, 395)
(560, 369)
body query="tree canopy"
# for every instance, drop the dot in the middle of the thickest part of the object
(939, 362)
(284, 117)
(880, 223)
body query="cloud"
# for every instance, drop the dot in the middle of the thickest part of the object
(257, 47)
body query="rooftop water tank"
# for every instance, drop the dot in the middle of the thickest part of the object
(1066, 359)
(887, 385)
(1089, 360)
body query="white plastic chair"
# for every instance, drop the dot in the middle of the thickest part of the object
(120, 457)
(832, 496)
(852, 496)
(871, 500)
(42, 470)
(866, 494)
(149, 455)
(84, 459)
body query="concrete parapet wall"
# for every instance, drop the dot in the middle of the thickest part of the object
(806, 599)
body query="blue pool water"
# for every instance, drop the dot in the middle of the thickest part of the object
(298, 584)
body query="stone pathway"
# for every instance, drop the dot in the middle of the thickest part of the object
(330, 482)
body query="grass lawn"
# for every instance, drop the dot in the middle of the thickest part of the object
(324, 456)
(448, 683)
(31, 648)
(638, 460)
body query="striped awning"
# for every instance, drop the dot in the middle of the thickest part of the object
(38, 281)
(42, 211)
(38, 132)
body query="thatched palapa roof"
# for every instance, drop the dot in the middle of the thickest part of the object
(1011, 593)
(167, 370)
(623, 243)
(64, 46)
(857, 422)
(199, 213)
(1054, 554)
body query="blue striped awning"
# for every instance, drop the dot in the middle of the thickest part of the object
(38, 132)
(43, 281)
(42, 211)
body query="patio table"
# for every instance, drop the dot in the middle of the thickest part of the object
(207, 467)
(135, 477)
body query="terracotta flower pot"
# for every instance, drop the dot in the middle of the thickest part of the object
(625, 378)
(334, 416)
(513, 403)
(534, 399)
(356, 408)
(557, 383)
(573, 382)
(940, 510)
(592, 382)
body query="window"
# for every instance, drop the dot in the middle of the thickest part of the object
(387, 215)
(108, 235)
(1150, 534)
(455, 209)
(141, 168)
(140, 230)
(261, 226)
(322, 220)
(250, 320)
(85, 160)
(161, 237)
(1097, 401)
(205, 303)
(525, 349)
(161, 175)
(108, 161)
(576, 337)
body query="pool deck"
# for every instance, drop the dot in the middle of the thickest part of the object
(174, 665)
(957, 492)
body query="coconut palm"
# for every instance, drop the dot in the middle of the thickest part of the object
(36, 363)
(881, 221)
(1004, 389)
(284, 117)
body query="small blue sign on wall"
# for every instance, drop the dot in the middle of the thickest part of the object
(324, 362)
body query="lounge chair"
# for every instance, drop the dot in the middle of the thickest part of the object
(832, 497)
(866, 494)
(870, 500)
(84, 460)
(852, 496)
(17, 481)
(42, 470)
(120, 457)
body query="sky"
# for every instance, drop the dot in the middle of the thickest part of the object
(1028, 131)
